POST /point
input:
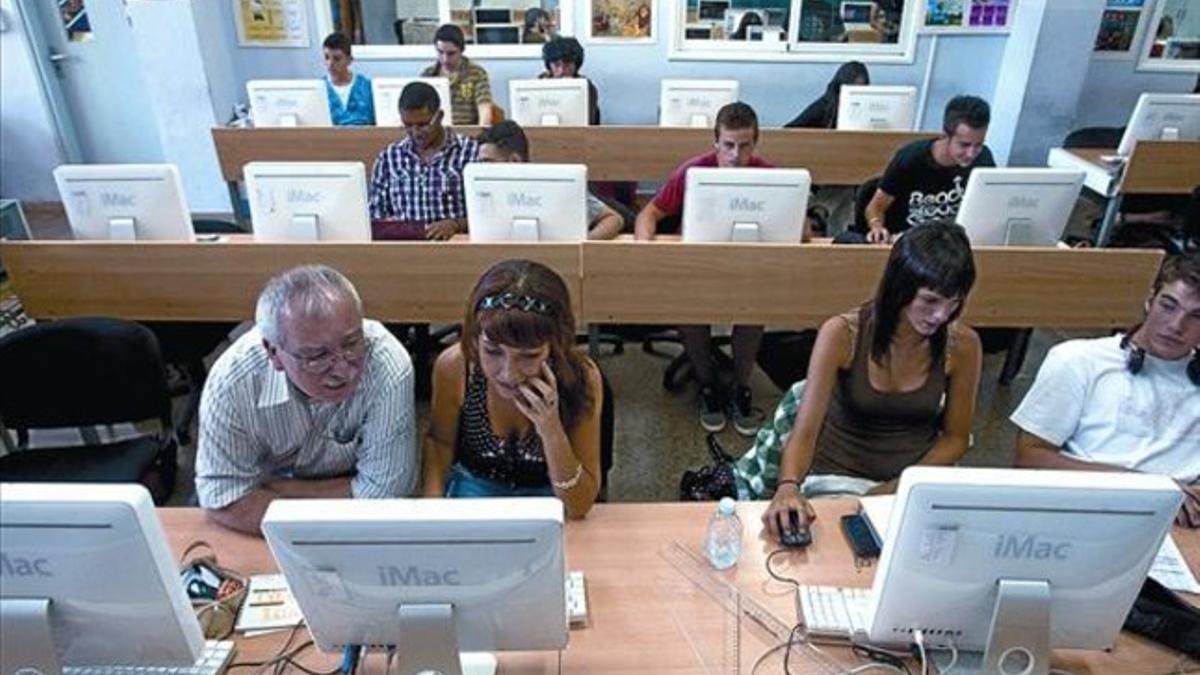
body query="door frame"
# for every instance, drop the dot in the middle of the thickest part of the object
(33, 22)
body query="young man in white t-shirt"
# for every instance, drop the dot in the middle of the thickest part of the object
(1126, 403)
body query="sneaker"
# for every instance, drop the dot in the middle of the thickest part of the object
(746, 418)
(712, 409)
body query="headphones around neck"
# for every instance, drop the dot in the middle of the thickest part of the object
(1136, 358)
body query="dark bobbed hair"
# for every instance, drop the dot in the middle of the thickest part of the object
(340, 42)
(1184, 266)
(936, 256)
(847, 73)
(532, 15)
(969, 110)
(736, 115)
(508, 136)
(419, 96)
(563, 49)
(748, 19)
(530, 330)
(448, 32)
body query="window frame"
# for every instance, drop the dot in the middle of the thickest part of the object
(1146, 64)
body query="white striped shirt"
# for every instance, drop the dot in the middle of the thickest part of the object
(255, 426)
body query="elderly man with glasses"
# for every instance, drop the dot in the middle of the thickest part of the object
(314, 401)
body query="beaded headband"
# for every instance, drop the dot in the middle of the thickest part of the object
(508, 301)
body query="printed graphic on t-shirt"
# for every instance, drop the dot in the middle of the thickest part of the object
(926, 208)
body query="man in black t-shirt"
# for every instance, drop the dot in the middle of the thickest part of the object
(926, 179)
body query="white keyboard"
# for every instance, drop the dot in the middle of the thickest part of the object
(213, 660)
(577, 610)
(831, 611)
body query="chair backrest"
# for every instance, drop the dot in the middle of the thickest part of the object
(607, 424)
(82, 372)
(862, 197)
(1094, 137)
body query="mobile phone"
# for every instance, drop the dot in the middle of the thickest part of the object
(860, 535)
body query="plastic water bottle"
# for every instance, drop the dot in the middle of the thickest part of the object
(723, 544)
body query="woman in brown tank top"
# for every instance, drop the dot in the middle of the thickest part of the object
(873, 402)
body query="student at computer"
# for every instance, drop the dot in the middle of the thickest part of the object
(350, 100)
(891, 383)
(470, 91)
(539, 26)
(314, 401)
(563, 57)
(926, 179)
(420, 177)
(506, 142)
(516, 408)
(736, 134)
(1126, 402)
(823, 112)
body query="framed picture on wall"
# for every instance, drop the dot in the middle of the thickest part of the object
(968, 16)
(1120, 28)
(620, 21)
(271, 23)
(1172, 41)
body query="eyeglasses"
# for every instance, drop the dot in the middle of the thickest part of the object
(420, 126)
(351, 351)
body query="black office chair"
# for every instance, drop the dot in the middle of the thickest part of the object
(185, 345)
(862, 198)
(607, 426)
(86, 372)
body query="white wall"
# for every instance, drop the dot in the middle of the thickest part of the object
(29, 148)
(1112, 89)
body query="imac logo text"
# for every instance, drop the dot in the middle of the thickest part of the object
(16, 566)
(415, 576)
(1021, 546)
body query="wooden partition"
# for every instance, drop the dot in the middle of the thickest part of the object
(409, 281)
(789, 285)
(611, 153)
(1163, 167)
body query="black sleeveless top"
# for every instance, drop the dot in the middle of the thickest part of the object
(515, 462)
(873, 434)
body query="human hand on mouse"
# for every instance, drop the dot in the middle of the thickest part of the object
(787, 498)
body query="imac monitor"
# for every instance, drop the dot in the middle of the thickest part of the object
(124, 202)
(871, 107)
(430, 576)
(745, 205)
(712, 10)
(1015, 562)
(87, 579)
(1162, 117)
(1018, 207)
(386, 94)
(549, 102)
(694, 103)
(856, 15)
(526, 202)
(289, 103)
(499, 34)
(308, 201)
(492, 15)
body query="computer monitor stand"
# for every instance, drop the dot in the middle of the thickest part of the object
(304, 228)
(289, 121)
(1019, 637)
(1170, 134)
(429, 642)
(550, 120)
(121, 229)
(699, 120)
(1019, 232)
(25, 634)
(743, 232)
(525, 229)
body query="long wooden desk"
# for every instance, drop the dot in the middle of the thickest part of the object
(621, 282)
(644, 616)
(1155, 167)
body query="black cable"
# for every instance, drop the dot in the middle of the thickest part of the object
(777, 577)
(879, 656)
(791, 641)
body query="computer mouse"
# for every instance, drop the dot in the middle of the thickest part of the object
(793, 534)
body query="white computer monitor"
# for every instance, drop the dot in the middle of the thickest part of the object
(856, 15)
(308, 201)
(1162, 117)
(872, 107)
(561, 101)
(434, 577)
(1018, 207)
(385, 91)
(482, 16)
(694, 103)
(1016, 561)
(745, 205)
(508, 201)
(86, 579)
(124, 202)
(289, 103)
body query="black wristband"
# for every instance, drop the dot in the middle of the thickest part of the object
(787, 481)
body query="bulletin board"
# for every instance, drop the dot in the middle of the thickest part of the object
(271, 23)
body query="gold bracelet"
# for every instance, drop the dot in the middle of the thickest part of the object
(570, 482)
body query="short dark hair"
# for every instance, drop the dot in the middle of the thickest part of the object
(338, 41)
(969, 110)
(508, 136)
(563, 49)
(448, 32)
(736, 115)
(1185, 267)
(419, 96)
(936, 256)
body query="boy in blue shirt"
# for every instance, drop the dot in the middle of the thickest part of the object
(350, 101)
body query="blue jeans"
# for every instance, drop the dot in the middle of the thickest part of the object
(463, 483)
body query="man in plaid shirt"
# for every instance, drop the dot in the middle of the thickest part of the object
(420, 177)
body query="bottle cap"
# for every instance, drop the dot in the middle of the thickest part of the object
(727, 507)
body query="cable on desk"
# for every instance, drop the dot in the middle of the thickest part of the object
(919, 639)
(778, 577)
(953, 659)
(879, 655)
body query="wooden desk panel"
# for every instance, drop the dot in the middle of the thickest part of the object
(408, 281)
(643, 615)
(1163, 167)
(792, 285)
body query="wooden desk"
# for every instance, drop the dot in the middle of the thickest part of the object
(398, 281)
(644, 616)
(789, 285)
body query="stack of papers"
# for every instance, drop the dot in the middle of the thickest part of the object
(269, 606)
